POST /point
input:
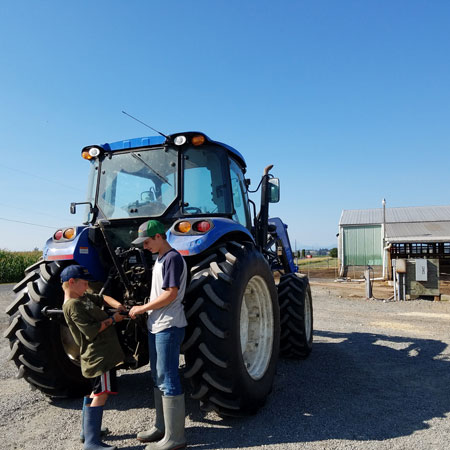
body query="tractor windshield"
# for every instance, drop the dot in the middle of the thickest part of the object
(142, 183)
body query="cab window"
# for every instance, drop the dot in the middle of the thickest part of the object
(206, 187)
(239, 192)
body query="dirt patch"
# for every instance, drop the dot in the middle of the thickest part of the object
(320, 273)
(353, 289)
(444, 286)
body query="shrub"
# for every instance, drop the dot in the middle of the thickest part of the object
(13, 264)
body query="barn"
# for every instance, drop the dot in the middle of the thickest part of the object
(375, 237)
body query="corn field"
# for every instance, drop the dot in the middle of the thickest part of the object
(13, 264)
(319, 267)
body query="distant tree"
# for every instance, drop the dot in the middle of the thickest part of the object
(303, 253)
(334, 252)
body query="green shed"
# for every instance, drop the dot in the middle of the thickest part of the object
(363, 245)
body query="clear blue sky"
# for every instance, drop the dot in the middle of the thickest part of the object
(350, 100)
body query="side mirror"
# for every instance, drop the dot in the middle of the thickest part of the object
(274, 190)
(73, 207)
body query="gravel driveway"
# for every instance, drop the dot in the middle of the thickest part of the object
(378, 378)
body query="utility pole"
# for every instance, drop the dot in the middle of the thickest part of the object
(384, 255)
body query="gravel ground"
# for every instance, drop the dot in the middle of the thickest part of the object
(378, 378)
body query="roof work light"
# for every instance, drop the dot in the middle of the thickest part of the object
(91, 152)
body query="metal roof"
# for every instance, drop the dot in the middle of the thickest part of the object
(418, 232)
(412, 214)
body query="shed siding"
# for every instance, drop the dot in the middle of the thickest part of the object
(362, 245)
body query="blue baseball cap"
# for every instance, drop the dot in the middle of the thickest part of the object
(77, 272)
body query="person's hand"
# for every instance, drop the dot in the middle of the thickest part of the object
(118, 317)
(135, 311)
(121, 308)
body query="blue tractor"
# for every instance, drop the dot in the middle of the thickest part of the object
(245, 303)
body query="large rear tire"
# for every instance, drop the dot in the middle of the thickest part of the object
(296, 312)
(232, 339)
(43, 349)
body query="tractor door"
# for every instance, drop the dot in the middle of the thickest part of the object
(240, 196)
(206, 186)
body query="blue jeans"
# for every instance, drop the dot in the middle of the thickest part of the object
(164, 349)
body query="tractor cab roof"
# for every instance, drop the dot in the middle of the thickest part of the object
(150, 141)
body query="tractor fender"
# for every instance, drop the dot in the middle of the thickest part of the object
(78, 249)
(194, 243)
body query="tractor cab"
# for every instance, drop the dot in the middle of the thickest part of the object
(184, 175)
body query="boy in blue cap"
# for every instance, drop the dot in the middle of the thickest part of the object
(100, 351)
(166, 323)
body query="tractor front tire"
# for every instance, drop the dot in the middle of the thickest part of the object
(42, 348)
(296, 312)
(232, 339)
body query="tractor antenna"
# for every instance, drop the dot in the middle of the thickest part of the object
(143, 123)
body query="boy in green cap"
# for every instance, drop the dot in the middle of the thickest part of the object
(166, 324)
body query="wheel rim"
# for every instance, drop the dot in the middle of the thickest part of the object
(70, 347)
(256, 327)
(308, 316)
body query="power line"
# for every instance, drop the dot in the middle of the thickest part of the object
(42, 178)
(27, 223)
(29, 210)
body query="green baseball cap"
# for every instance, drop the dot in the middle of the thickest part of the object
(149, 229)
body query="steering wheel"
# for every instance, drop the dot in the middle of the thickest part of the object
(192, 210)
